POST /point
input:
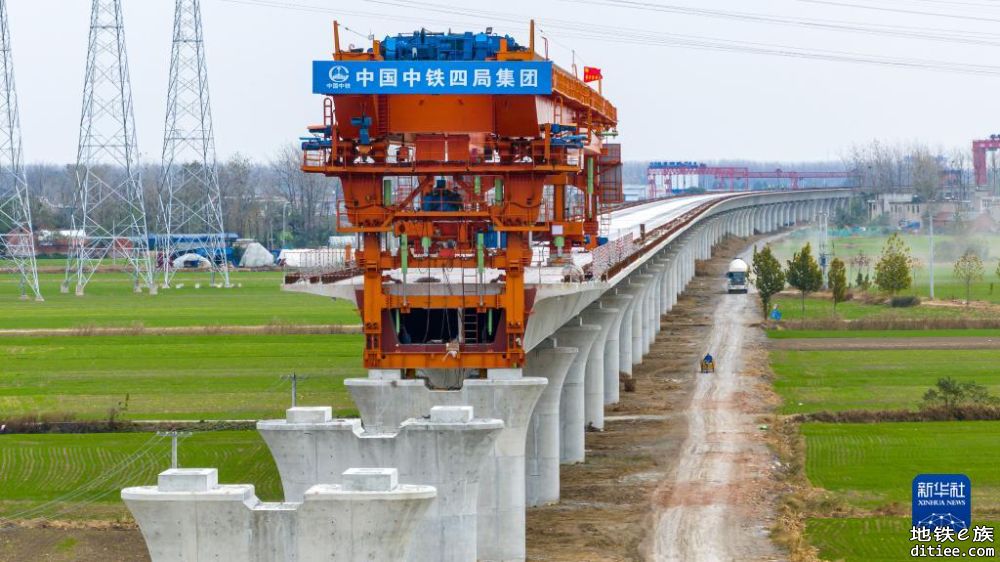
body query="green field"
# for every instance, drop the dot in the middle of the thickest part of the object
(791, 310)
(873, 465)
(876, 539)
(878, 334)
(81, 476)
(811, 381)
(947, 249)
(110, 302)
(174, 377)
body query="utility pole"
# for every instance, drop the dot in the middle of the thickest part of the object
(174, 436)
(930, 230)
(284, 224)
(824, 242)
(295, 385)
(17, 239)
(109, 215)
(190, 197)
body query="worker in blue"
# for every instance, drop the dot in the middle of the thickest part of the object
(708, 363)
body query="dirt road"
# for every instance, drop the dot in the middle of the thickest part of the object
(714, 509)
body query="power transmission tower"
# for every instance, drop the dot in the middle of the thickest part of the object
(109, 215)
(17, 240)
(190, 199)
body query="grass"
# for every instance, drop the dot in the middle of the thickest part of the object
(41, 471)
(817, 308)
(109, 301)
(174, 377)
(811, 381)
(878, 334)
(882, 539)
(947, 249)
(872, 465)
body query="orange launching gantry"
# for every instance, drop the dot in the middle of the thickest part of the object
(457, 153)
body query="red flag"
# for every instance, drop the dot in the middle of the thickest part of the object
(591, 74)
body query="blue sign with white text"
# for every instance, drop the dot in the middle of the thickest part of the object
(432, 77)
(942, 500)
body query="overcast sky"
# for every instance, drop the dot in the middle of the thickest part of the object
(675, 102)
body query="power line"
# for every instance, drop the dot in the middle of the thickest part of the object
(907, 32)
(644, 37)
(901, 11)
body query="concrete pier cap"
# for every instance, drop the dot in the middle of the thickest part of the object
(505, 394)
(188, 516)
(446, 450)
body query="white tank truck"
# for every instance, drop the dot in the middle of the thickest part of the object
(738, 276)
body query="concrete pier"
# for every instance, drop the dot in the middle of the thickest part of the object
(571, 414)
(189, 517)
(551, 361)
(446, 451)
(593, 402)
(385, 404)
(612, 348)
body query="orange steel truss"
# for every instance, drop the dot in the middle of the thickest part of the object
(457, 186)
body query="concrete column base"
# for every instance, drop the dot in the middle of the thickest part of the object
(188, 516)
(506, 395)
(447, 451)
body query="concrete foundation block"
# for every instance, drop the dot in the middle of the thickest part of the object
(309, 414)
(450, 414)
(188, 480)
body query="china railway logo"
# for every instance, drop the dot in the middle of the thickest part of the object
(339, 74)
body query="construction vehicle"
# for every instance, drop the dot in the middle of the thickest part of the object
(738, 276)
(458, 154)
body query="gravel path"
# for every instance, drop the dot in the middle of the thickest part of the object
(716, 508)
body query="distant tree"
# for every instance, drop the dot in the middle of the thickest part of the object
(804, 274)
(892, 272)
(950, 393)
(767, 276)
(969, 268)
(837, 280)
(859, 282)
(926, 174)
(861, 262)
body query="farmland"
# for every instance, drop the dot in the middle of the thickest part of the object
(198, 375)
(856, 539)
(879, 334)
(871, 465)
(173, 377)
(81, 476)
(255, 300)
(810, 381)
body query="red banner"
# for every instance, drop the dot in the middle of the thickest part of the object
(591, 74)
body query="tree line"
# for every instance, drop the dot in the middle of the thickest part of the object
(893, 273)
(273, 201)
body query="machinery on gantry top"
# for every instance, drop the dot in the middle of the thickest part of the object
(459, 153)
